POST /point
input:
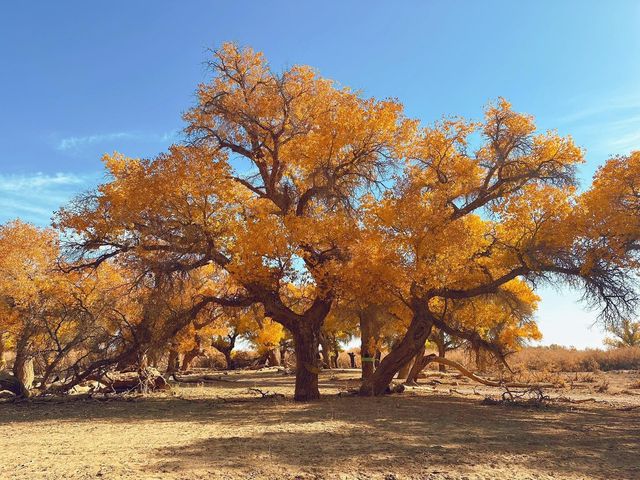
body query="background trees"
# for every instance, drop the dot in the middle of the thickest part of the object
(60, 320)
(27, 260)
(625, 334)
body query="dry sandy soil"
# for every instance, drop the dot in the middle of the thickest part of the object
(223, 430)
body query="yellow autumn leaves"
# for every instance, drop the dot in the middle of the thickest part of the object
(305, 199)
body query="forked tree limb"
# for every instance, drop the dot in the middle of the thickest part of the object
(484, 381)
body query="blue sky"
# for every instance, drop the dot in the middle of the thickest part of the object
(83, 78)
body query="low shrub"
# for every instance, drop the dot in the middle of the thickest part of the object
(562, 359)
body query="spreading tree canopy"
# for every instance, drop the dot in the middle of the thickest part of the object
(296, 194)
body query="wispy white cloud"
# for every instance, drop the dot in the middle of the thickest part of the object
(38, 181)
(628, 141)
(34, 197)
(74, 143)
(587, 109)
(606, 127)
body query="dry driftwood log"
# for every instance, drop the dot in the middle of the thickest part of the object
(120, 382)
(12, 384)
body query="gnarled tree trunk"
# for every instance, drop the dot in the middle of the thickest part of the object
(305, 329)
(415, 338)
(367, 343)
(23, 370)
(188, 358)
(23, 364)
(136, 358)
(306, 337)
(480, 359)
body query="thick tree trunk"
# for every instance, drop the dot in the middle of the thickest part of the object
(415, 338)
(306, 338)
(305, 330)
(367, 344)
(23, 370)
(23, 363)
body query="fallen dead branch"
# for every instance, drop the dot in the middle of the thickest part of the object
(202, 379)
(628, 409)
(629, 392)
(532, 394)
(458, 392)
(484, 381)
(531, 397)
(266, 394)
(569, 400)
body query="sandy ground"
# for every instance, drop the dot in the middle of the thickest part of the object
(223, 430)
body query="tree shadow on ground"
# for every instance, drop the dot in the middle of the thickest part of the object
(408, 434)
(265, 380)
(414, 434)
